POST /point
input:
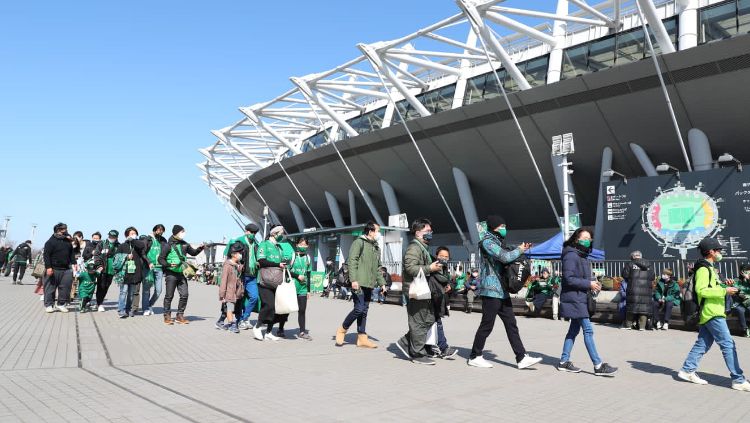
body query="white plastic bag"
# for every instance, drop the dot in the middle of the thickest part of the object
(286, 298)
(432, 335)
(419, 289)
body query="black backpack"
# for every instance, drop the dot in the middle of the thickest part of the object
(516, 274)
(690, 307)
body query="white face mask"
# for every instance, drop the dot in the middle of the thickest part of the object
(181, 235)
(665, 276)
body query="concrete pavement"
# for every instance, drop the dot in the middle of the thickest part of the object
(96, 367)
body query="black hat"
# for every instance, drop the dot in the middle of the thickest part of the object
(91, 265)
(237, 247)
(177, 229)
(745, 267)
(707, 244)
(493, 221)
(252, 228)
(114, 233)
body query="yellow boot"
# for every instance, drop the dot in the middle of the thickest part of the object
(364, 342)
(340, 334)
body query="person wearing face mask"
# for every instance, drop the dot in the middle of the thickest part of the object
(20, 258)
(640, 278)
(79, 244)
(471, 291)
(420, 313)
(106, 253)
(577, 281)
(713, 323)
(273, 261)
(329, 277)
(59, 259)
(91, 246)
(495, 255)
(300, 271)
(440, 286)
(133, 271)
(363, 263)
(153, 246)
(249, 267)
(666, 296)
(741, 300)
(173, 261)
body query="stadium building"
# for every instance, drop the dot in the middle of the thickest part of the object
(333, 151)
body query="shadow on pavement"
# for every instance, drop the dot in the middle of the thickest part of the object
(656, 369)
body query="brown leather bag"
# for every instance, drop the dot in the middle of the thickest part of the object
(271, 277)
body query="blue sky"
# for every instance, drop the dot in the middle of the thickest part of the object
(103, 104)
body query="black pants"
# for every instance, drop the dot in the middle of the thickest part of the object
(8, 267)
(18, 271)
(302, 303)
(492, 307)
(58, 286)
(267, 313)
(175, 281)
(102, 286)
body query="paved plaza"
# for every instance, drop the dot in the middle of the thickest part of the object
(96, 367)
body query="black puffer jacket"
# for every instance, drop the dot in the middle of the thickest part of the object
(640, 277)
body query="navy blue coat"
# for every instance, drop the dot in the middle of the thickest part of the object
(576, 284)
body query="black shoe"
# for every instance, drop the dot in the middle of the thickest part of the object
(448, 354)
(605, 370)
(281, 334)
(568, 367)
(423, 360)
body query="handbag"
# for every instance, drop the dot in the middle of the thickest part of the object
(188, 270)
(38, 271)
(286, 296)
(271, 277)
(419, 289)
(432, 336)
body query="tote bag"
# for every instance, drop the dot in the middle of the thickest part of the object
(419, 289)
(286, 297)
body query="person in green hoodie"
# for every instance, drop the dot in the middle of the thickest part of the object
(87, 284)
(713, 323)
(300, 271)
(666, 296)
(249, 266)
(364, 274)
(741, 300)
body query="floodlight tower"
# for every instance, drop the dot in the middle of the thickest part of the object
(562, 146)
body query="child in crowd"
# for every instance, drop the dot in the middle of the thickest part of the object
(231, 289)
(87, 281)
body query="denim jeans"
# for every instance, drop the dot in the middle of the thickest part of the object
(251, 297)
(717, 330)
(125, 301)
(147, 299)
(377, 295)
(441, 340)
(588, 339)
(740, 312)
(361, 299)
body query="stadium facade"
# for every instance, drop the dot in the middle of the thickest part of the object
(333, 152)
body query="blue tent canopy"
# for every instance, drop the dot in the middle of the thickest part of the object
(551, 249)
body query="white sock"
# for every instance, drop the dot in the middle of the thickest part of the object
(599, 366)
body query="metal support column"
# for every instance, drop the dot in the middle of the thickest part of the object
(688, 24)
(333, 205)
(700, 149)
(352, 209)
(599, 225)
(390, 198)
(643, 159)
(467, 203)
(298, 217)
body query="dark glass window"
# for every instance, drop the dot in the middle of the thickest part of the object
(718, 22)
(601, 54)
(535, 70)
(575, 61)
(474, 89)
(743, 17)
(671, 26)
(630, 47)
(438, 100)
(368, 122)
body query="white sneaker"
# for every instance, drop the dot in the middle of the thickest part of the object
(41, 298)
(692, 377)
(258, 333)
(49, 309)
(665, 327)
(62, 308)
(100, 308)
(744, 386)
(479, 362)
(272, 337)
(147, 313)
(528, 361)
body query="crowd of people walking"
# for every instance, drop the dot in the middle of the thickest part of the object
(272, 277)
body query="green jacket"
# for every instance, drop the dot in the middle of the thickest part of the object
(364, 263)
(541, 286)
(708, 288)
(671, 293)
(743, 295)
(416, 257)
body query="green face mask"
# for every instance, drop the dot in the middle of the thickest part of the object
(718, 257)
(502, 232)
(586, 243)
(278, 238)
(302, 249)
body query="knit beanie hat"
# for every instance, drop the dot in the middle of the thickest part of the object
(177, 229)
(493, 221)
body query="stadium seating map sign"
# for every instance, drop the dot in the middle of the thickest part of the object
(666, 217)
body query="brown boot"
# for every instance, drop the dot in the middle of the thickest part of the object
(168, 319)
(340, 334)
(180, 319)
(364, 342)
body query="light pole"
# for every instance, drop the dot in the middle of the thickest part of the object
(4, 231)
(33, 232)
(562, 146)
